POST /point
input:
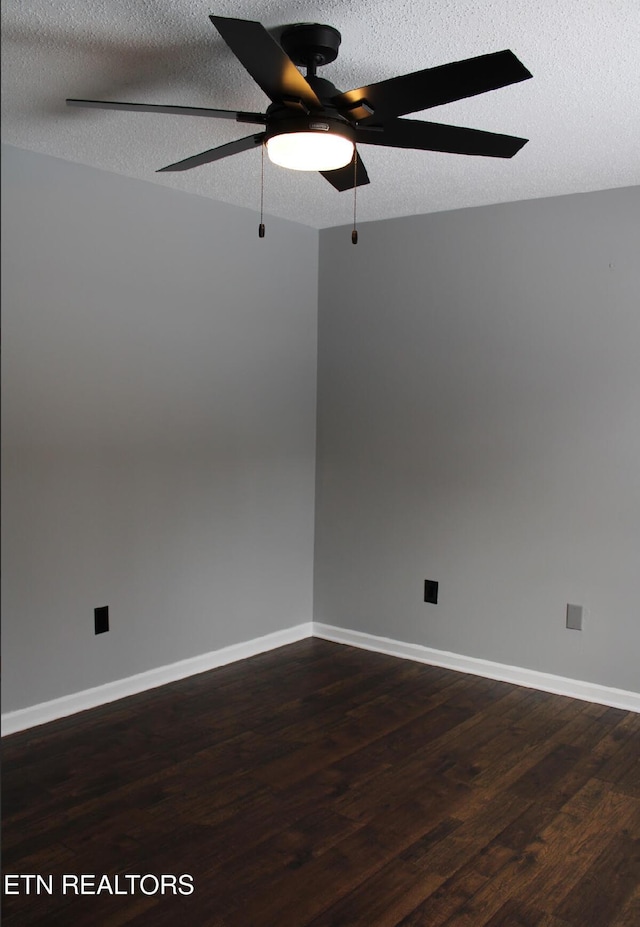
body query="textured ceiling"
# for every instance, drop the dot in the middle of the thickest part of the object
(580, 111)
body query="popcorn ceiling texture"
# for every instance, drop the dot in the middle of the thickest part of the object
(580, 111)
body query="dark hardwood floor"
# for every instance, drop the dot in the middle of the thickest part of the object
(324, 786)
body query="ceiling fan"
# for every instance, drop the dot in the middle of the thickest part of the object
(310, 125)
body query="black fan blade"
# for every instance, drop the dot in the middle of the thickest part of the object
(433, 136)
(215, 154)
(268, 64)
(342, 178)
(412, 93)
(257, 118)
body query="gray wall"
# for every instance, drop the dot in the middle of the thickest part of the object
(159, 380)
(479, 425)
(479, 401)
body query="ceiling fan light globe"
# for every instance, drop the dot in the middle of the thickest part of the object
(310, 151)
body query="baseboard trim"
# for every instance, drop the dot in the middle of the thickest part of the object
(24, 718)
(547, 682)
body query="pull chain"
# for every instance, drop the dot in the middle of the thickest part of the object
(261, 226)
(354, 232)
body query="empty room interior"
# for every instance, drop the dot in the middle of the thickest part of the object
(321, 501)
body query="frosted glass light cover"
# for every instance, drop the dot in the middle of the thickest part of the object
(310, 151)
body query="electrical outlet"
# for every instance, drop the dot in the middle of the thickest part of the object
(574, 617)
(431, 591)
(101, 619)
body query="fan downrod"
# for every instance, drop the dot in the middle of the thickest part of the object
(311, 45)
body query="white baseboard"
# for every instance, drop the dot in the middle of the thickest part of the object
(547, 682)
(24, 718)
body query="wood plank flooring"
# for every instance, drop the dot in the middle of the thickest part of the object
(323, 786)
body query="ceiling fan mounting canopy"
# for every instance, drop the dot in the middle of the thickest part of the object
(311, 44)
(315, 112)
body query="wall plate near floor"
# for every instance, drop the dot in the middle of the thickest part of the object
(431, 591)
(575, 617)
(101, 619)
